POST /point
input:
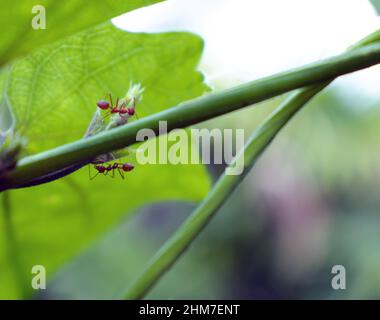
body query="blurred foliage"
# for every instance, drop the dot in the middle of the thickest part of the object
(53, 93)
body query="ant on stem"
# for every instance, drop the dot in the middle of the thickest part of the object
(110, 168)
(121, 110)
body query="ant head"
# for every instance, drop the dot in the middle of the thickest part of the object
(131, 111)
(103, 104)
(100, 168)
(127, 167)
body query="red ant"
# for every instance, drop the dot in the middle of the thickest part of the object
(120, 167)
(121, 110)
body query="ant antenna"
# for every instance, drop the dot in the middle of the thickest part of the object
(120, 172)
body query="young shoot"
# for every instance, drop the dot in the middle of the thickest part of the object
(108, 115)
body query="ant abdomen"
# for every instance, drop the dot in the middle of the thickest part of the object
(127, 167)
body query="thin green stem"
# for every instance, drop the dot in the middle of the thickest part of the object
(225, 186)
(191, 112)
(13, 252)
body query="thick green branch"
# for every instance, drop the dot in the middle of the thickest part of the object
(192, 112)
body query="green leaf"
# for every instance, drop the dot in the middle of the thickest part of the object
(63, 18)
(376, 4)
(55, 90)
(54, 93)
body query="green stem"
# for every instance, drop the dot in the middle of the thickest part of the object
(192, 112)
(12, 249)
(223, 188)
(225, 185)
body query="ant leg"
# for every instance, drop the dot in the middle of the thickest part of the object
(105, 172)
(89, 174)
(110, 97)
(93, 177)
(107, 115)
(112, 174)
(121, 173)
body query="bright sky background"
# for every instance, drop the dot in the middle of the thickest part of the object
(247, 39)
